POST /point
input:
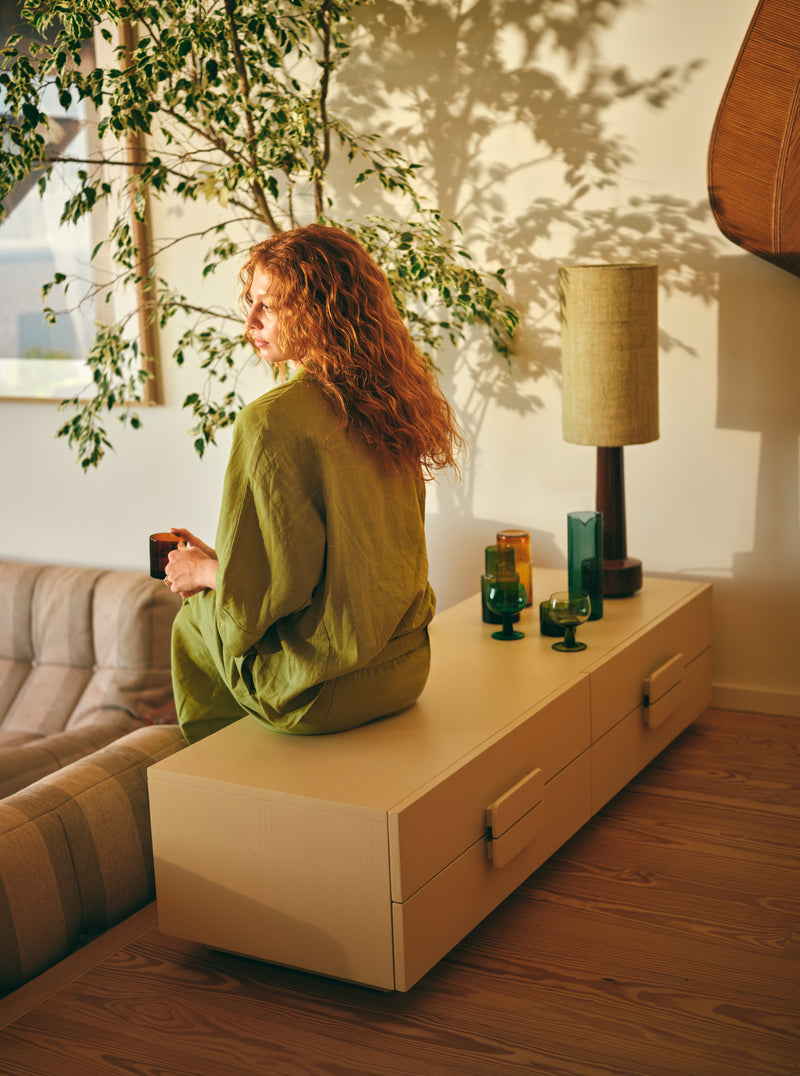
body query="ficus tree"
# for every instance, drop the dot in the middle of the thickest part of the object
(227, 101)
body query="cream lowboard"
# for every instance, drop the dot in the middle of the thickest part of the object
(369, 854)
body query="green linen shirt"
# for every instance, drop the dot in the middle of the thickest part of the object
(323, 571)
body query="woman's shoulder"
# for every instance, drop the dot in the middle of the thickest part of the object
(294, 403)
(298, 393)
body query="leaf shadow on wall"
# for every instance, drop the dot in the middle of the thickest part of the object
(448, 83)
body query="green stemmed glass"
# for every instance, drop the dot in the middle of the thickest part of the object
(569, 608)
(506, 598)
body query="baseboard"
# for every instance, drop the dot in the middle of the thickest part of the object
(755, 700)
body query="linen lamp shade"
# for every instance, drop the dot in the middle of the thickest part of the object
(609, 354)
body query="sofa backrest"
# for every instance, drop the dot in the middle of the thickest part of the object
(80, 645)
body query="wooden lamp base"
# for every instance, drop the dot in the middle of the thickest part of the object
(621, 578)
(622, 575)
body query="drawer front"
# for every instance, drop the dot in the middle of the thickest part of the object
(619, 684)
(287, 883)
(636, 740)
(438, 916)
(436, 824)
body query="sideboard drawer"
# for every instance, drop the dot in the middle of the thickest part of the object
(618, 681)
(437, 917)
(434, 825)
(619, 755)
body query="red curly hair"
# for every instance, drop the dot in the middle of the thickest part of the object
(337, 318)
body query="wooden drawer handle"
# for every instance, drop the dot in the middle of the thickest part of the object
(515, 818)
(662, 691)
(501, 850)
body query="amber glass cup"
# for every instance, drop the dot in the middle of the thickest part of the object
(161, 545)
(520, 542)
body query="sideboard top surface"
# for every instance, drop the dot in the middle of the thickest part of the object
(477, 688)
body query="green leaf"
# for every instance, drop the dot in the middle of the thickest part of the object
(31, 114)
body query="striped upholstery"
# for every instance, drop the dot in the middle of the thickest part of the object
(80, 648)
(132, 618)
(76, 852)
(60, 661)
(16, 642)
(27, 761)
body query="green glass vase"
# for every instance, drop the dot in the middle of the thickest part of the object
(585, 557)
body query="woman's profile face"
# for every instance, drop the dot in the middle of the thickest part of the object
(261, 325)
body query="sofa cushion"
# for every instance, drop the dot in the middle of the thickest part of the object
(40, 903)
(102, 801)
(16, 641)
(23, 763)
(132, 618)
(76, 852)
(62, 659)
(81, 646)
(19, 737)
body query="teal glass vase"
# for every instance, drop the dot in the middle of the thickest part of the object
(585, 557)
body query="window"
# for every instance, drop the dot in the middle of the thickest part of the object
(39, 360)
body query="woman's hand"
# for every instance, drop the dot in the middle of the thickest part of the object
(190, 569)
(192, 539)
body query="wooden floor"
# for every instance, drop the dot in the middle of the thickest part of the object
(662, 940)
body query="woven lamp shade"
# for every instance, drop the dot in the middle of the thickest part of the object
(609, 354)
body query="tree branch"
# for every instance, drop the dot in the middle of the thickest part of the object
(258, 191)
(325, 26)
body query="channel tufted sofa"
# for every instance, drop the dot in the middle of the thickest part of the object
(84, 659)
(85, 708)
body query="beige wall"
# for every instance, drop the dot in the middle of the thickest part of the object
(715, 498)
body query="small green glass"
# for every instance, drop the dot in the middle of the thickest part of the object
(569, 609)
(500, 563)
(506, 598)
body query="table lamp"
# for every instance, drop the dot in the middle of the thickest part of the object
(609, 352)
